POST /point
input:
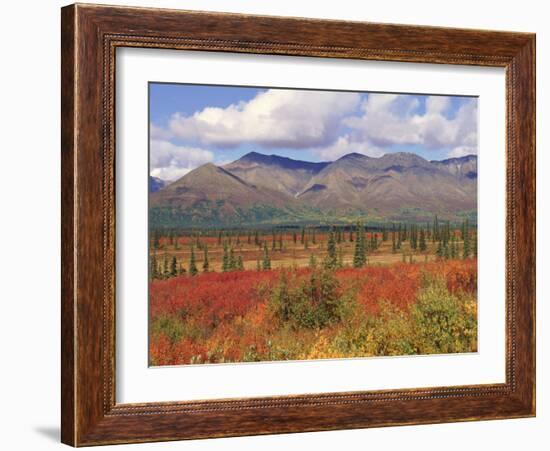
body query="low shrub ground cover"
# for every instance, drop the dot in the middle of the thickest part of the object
(314, 313)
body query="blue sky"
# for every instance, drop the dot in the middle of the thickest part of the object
(191, 125)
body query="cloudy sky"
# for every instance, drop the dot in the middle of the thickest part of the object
(191, 125)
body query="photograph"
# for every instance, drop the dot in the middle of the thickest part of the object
(295, 224)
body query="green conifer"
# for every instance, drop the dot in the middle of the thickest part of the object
(266, 262)
(205, 262)
(193, 271)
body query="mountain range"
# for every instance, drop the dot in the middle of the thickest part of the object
(260, 189)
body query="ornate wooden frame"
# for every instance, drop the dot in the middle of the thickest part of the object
(90, 36)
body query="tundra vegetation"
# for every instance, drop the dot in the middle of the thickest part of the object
(312, 292)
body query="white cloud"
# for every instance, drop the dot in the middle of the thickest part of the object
(274, 118)
(170, 162)
(390, 119)
(344, 145)
(169, 173)
(156, 132)
(462, 151)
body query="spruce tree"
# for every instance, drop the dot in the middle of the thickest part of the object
(225, 259)
(174, 267)
(331, 261)
(439, 251)
(205, 262)
(436, 236)
(266, 262)
(165, 267)
(466, 250)
(193, 271)
(240, 263)
(454, 250)
(153, 272)
(232, 260)
(360, 249)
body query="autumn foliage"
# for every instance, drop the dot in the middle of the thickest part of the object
(313, 313)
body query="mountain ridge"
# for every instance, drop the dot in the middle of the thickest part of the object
(259, 188)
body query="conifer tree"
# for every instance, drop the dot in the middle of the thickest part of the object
(360, 249)
(174, 267)
(192, 263)
(266, 262)
(439, 251)
(466, 250)
(258, 265)
(165, 267)
(302, 236)
(414, 237)
(340, 257)
(153, 272)
(205, 262)
(331, 261)
(436, 236)
(225, 259)
(232, 260)
(454, 249)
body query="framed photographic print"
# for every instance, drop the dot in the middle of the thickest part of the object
(279, 225)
